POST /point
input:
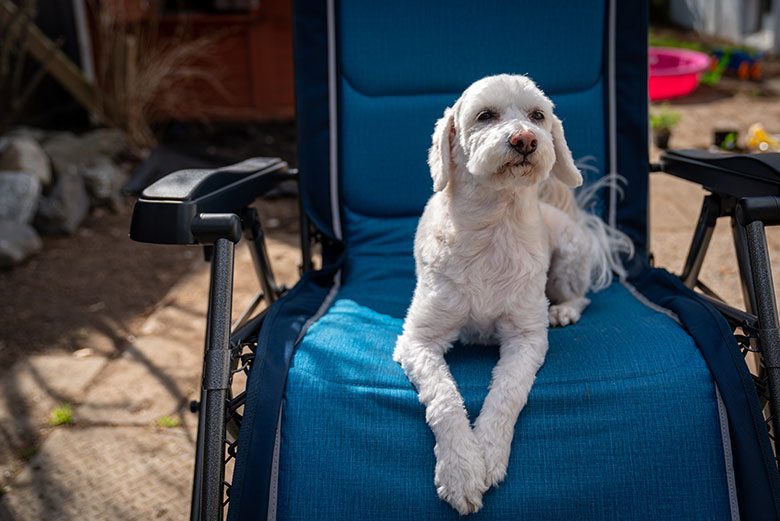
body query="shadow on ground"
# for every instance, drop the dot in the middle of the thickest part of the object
(88, 290)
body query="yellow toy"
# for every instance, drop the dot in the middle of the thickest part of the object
(758, 139)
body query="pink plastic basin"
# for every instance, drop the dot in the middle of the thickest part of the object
(675, 72)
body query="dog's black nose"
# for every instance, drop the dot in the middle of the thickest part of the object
(523, 141)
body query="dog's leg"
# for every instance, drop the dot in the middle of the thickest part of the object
(523, 348)
(568, 277)
(429, 331)
(567, 283)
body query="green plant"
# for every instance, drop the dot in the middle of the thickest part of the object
(61, 415)
(168, 422)
(664, 118)
(28, 453)
(729, 141)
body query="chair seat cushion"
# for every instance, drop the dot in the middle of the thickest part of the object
(622, 422)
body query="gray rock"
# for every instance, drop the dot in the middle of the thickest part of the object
(66, 152)
(104, 181)
(19, 194)
(17, 242)
(64, 209)
(34, 133)
(23, 154)
(105, 141)
(90, 156)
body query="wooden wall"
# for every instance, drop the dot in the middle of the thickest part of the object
(250, 68)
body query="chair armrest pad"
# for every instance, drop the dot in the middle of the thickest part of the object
(163, 213)
(737, 175)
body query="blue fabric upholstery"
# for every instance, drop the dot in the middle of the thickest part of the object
(609, 431)
(398, 72)
(400, 184)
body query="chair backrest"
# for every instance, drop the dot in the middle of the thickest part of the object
(373, 76)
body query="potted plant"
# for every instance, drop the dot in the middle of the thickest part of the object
(662, 121)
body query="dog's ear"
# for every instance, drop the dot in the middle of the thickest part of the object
(564, 168)
(440, 153)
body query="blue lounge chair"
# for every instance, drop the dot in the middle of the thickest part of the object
(644, 409)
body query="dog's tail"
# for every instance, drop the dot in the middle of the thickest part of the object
(608, 244)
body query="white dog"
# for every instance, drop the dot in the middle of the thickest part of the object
(498, 238)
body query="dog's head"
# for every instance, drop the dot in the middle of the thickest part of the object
(502, 131)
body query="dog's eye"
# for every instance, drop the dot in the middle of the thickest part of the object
(486, 115)
(537, 115)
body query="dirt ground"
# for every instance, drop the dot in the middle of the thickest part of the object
(94, 289)
(96, 281)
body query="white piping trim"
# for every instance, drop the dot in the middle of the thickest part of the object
(323, 307)
(649, 303)
(333, 121)
(612, 113)
(728, 456)
(273, 493)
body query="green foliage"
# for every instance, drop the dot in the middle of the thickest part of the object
(62, 415)
(712, 77)
(664, 118)
(729, 142)
(694, 43)
(27, 453)
(168, 422)
(657, 40)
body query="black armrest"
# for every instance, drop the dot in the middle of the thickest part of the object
(737, 175)
(165, 211)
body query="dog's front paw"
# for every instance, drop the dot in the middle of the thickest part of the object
(496, 454)
(460, 474)
(563, 315)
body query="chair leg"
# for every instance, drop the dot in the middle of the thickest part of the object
(710, 211)
(216, 380)
(197, 478)
(743, 262)
(254, 232)
(766, 310)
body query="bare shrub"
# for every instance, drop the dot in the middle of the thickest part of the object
(142, 74)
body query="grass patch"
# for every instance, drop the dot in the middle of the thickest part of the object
(27, 453)
(168, 422)
(662, 40)
(62, 415)
(693, 42)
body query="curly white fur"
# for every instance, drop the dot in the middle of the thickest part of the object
(501, 235)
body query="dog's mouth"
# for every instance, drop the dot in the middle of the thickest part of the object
(524, 164)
